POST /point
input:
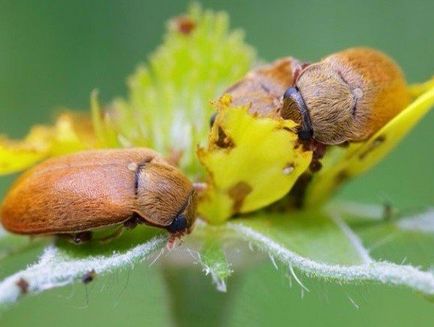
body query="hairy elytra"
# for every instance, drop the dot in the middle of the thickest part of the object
(347, 96)
(94, 189)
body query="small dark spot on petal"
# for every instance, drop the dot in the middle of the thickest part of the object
(224, 141)
(184, 25)
(374, 144)
(238, 193)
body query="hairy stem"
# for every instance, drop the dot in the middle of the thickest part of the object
(194, 300)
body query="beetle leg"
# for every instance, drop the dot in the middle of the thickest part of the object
(118, 232)
(128, 224)
(133, 221)
(77, 238)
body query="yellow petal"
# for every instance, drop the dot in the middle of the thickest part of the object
(342, 163)
(70, 133)
(251, 162)
(16, 156)
(418, 89)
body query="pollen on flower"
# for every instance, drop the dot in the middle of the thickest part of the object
(225, 100)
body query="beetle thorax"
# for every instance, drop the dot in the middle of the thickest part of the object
(330, 102)
(162, 193)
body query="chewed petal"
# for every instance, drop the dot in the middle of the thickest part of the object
(342, 163)
(70, 133)
(251, 162)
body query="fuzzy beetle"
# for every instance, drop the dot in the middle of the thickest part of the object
(346, 97)
(78, 193)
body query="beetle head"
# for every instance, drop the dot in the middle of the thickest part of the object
(165, 197)
(322, 103)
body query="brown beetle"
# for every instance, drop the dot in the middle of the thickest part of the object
(75, 194)
(347, 96)
(262, 88)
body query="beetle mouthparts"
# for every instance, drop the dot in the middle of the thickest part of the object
(293, 95)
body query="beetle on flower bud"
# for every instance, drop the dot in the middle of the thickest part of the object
(76, 194)
(346, 97)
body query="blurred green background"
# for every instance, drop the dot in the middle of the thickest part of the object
(52, 54)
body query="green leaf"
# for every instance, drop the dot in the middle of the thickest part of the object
(311, 235)
(61, 265)
(383, 231)
(278, 247)
(13, 244)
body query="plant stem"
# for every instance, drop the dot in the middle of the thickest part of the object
(194, 300)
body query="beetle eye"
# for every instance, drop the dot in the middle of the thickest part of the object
(178, 224)
(295, 108)
(290, 92)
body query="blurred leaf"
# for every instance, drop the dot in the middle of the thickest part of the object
(384, 231)
(12, 244)
(357, 214)
(168, 105)
(104, 130)
(422, 222)
(251, 162)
